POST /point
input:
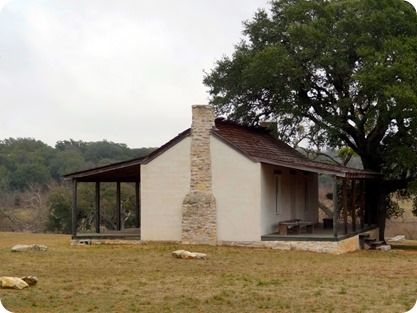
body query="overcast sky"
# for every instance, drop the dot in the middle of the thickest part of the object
(126, 71)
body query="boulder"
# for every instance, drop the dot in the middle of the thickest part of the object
(34, 247)
(12, 283)
(183, 254)
(7, 282)
(30, 280)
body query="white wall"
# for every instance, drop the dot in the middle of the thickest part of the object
(165, 181)
(236, 188)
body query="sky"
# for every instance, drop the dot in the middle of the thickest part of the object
(126, 71)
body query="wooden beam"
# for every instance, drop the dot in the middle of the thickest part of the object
(335, 206)
(119, 223)
(97, 206)
(137, 204)
(345, 206)
(362, 202)
(74, 208)
(353, 206)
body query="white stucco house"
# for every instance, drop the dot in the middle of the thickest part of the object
(223, 183)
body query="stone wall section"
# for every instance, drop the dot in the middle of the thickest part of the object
(332, 247)
(199, 205)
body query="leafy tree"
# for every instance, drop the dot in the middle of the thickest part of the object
(346, 70)
(25, 161)
(66, 161)
(59, 204)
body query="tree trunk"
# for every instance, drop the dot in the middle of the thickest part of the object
(371, 200)
(382, 215)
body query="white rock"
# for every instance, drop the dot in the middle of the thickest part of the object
(34, 247)
(7, 282)
(398, 238)
(183, 254)
(384, 247)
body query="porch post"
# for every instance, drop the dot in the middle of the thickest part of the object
(335, 206)
(345, 205)
(97, 204)
(353, 203)
(362, 202)
(74, 208)
(119, 207)
(137, 204)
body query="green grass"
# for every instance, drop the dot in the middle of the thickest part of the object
(146, 278)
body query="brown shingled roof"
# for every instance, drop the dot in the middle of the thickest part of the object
(260, 146)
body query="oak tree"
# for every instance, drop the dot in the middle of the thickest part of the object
(344, 70)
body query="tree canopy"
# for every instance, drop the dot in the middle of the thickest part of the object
(26, 161)
(344, 70)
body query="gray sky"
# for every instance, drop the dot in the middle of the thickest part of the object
(126, 71)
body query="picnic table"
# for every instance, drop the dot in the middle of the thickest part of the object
(295, 225)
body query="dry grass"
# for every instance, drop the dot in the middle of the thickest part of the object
(145, 278)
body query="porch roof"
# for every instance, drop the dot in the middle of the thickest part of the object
(127, 171)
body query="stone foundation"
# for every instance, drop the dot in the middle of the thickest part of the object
(333, 247)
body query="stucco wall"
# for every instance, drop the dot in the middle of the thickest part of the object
(298, 197)
(236, 187)
(164, 183)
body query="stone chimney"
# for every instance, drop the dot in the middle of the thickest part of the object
(199, 206)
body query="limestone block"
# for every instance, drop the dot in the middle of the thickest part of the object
(183, 254)
(34, 247)
(384, 248)
(12, 283)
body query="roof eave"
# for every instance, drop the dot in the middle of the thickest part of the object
(342, 173)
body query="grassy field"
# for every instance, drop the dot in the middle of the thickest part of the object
(145, 278)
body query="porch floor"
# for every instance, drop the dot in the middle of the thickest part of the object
(125, 234)
(320, 234)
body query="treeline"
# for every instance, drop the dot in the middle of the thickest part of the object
(33, 195)
(27, 161)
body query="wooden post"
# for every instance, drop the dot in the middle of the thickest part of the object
(362, 202)
(119, 223)
(353, 206)
(74, 208)
(97, 204)
(345, 205)
(335, 206)
(137, 204)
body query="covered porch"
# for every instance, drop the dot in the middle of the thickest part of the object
(347, 214)
(115, 175)
(321, 234)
